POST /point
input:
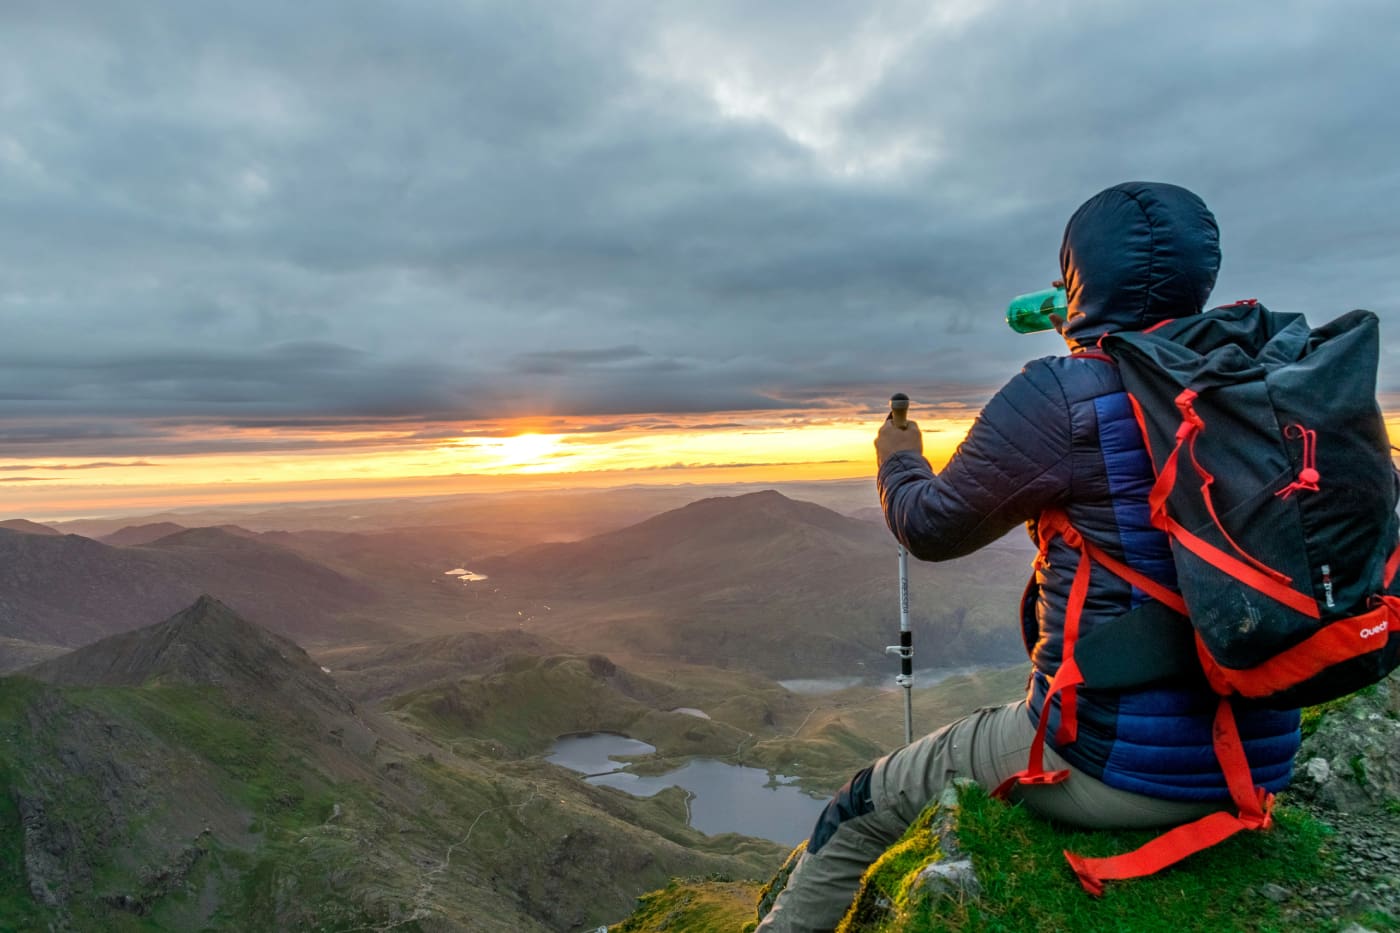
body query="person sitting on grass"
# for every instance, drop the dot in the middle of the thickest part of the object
(1060, 435)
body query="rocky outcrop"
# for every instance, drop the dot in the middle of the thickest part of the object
(1350, 763)
(1348, 776)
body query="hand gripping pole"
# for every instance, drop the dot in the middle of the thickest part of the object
(899, 413)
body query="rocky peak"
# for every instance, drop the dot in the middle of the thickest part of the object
(204, 644)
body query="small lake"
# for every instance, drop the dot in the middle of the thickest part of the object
(725, 798)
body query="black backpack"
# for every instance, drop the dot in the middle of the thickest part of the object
(1276, 488)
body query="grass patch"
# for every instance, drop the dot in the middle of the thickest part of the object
(693, 907)
(1027, 885)
(17, 908)
(266, 765)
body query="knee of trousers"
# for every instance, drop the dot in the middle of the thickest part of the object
(852, 800)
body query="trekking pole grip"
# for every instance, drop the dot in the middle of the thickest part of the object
(899, 410)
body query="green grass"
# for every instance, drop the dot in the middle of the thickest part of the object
(1027, 885)
(264, 764)
(693, 907)
(17, 908)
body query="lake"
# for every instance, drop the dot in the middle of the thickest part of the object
(725, 798)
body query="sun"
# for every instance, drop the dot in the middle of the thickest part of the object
(524, 452)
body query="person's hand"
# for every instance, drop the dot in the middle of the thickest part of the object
(892, 439)
(1056, 320)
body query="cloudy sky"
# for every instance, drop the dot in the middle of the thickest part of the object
(283, 243)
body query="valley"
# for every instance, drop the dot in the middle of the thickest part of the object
(339, 734)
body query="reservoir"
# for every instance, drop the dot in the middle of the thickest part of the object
(725, 798)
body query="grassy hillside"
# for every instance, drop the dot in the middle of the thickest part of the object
(208, 817)
(233, 788)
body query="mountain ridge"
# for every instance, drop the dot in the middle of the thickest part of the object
(747, 582)
(69, 590)
(206, 643)
(25, 527)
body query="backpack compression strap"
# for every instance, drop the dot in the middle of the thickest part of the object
(1249, 571)
(1255, 812)
(1254, 804)
(1068, 678)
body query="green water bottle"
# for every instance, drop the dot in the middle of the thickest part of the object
(1028, 314)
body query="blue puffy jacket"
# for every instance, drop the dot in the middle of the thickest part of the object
(1061, 434)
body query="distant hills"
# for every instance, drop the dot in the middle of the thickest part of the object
(205, 644)
(26, 527)
(66, 590)
(136, 535)
(759, 581)
(766, 583)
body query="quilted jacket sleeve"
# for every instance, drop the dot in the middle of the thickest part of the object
(1014, 462)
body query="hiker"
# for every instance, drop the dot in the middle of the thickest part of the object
(1060, 435)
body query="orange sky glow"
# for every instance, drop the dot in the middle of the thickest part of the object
(304, 466)
(377, 462)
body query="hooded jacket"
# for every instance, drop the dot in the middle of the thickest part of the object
(1061, 434)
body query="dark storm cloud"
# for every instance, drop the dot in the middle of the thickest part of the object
(307, 215)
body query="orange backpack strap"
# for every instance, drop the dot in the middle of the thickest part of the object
(1068, 678)
(1255, 807)
(1244, 568)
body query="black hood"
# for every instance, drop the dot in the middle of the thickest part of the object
(1136, 254)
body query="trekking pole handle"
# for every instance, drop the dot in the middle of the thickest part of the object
(899, 410)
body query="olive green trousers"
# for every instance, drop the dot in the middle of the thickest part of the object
(987, 747)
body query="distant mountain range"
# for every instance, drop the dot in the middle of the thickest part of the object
(205, 772)
(767, 583)
(24, 526)
(67, 590)
(758, 581)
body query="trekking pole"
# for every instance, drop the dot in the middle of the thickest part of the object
(899, 412)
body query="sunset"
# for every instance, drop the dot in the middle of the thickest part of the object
(340, 463)
(543, 466)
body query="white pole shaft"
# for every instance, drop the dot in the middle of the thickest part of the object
(906, 672)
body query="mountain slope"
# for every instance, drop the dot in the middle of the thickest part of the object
(135, 535)
(204, 773)
(24, 526)
(204, 644)
(373, 673)
(766, 583)
(69, 590)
